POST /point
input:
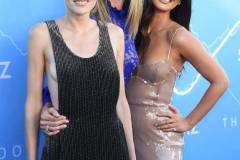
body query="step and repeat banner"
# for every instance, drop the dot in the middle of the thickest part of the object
(217, 25)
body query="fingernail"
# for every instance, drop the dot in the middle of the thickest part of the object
(65, 126)
(67, 121)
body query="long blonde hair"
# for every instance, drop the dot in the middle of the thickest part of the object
(134, 14)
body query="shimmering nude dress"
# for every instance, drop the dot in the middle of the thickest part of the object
(149, 92)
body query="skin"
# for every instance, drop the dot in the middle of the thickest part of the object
(185, 47)
(117, 4)
(75, 24)
(50, 121)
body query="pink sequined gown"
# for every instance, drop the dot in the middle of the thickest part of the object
(149, 92)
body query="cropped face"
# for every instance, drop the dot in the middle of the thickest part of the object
(165, 5)
(80, 7)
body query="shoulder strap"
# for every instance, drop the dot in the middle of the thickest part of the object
(104, 36)
(170, 47)
(53, 28)
(103, 29)
(54, 33)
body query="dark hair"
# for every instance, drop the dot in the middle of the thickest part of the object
(180, 14)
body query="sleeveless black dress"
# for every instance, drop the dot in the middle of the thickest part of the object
(88, 90)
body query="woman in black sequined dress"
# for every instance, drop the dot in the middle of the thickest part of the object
(84, 64)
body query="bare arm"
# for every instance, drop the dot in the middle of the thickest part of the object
(123, 109)
(192, 50)
(34, 90)
(196, 54)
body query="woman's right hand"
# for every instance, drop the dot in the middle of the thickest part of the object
(51, 121)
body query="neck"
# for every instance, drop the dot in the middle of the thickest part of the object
(78, 22)
(160, 20)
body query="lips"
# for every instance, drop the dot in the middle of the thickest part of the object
(80, 2)
(165, 1)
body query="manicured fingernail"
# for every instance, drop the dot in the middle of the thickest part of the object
(67, 121)
(65, 126)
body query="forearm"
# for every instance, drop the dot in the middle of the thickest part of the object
(125, 117)
(32, 127)
(211, 96)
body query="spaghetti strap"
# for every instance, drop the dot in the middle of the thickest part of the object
(170, 47)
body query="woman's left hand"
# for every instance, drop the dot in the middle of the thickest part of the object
(174, 122)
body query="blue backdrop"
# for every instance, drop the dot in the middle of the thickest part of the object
(216, 23)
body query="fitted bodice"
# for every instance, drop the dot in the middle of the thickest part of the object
(149, 93)
(153, 84)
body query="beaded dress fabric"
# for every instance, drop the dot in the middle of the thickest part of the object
(119, 18)
(88, 90)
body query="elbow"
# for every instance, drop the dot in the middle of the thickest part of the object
(223, 83)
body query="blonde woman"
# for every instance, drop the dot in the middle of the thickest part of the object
(124, 13)
(83, 59)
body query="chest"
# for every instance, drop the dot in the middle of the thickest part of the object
(81, 44)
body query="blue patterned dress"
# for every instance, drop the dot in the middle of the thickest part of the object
(118, 17)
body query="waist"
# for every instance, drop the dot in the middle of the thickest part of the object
(88, 110)
(93, 121)
(140, 93)
(149, 104)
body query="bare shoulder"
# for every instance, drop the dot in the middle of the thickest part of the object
(40, 30)
(115, 31)
(182, 37)
(186, 43)
(117, 38)
(39, 33)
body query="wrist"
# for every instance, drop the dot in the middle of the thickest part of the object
(46, 106)
(190, 123)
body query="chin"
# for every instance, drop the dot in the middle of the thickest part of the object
(80, 7)
(165, 5)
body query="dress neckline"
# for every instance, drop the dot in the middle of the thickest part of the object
(161, 61)
(96, 53)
